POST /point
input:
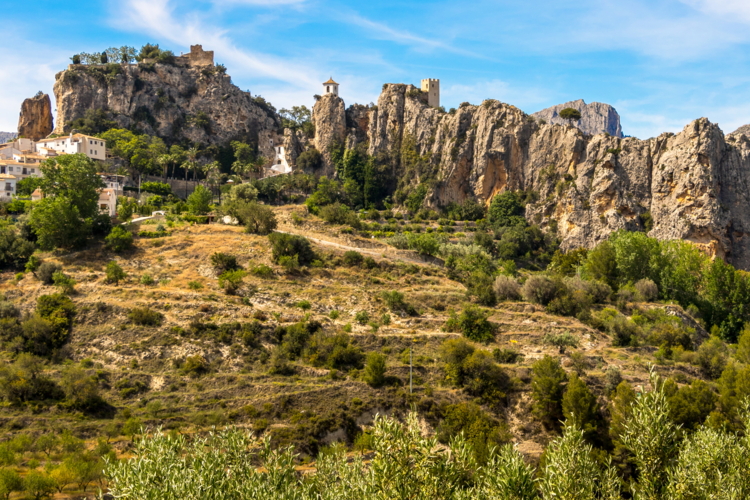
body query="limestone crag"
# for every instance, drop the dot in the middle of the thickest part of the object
(35, 121)
(329, 119)
(695, 185)
(169, 101)
(596, 118)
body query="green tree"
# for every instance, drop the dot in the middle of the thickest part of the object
(472, 323)
(570, 114)
(199, 202)
(119, 239)
(580, 407)
(375, 369)
(507, 209)
(601, 264)
(637, 256)
(10, 481)
(114, 272)
(39, 485)
(689, 406)
(547, 379)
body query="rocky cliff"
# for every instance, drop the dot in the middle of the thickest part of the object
(35, 121)
(329, 118)
(694, 185)
(596, 118)
(177, 103)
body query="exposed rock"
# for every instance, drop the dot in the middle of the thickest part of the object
(745, 129)
(695, 184)
(7, 136)
(35, 121)
(165, 100)
(294, 142)
(329, 118)
(596, 118)
(357, 124)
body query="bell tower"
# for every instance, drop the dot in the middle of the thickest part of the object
(331, 87)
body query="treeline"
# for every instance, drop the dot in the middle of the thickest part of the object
(231, 464)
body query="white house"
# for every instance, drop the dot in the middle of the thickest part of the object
(19, 170)
(93, 147)
(114, 181)
(7, 187)
(108, 201)
(280, 165)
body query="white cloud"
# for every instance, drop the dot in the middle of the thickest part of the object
(733, 10)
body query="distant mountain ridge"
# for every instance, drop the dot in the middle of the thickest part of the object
(596, 117)
(7, 136)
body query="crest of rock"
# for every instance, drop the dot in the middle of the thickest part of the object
(596, 118)
(35, 121)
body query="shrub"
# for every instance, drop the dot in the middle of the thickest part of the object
(64, 282)
(194, 366)
(114, 272)
(396, 303)
(506, 288)
(352, 258)
(547, 390)
(477, 427)
(262, 271)
(231, 281)
(375, 368)
(304, 305)
(257, 218)
(539, 290)
(199, 201)
(472, 323)
(580, 408)
(195, 285)
(362, 317)
(119, 239)
(647, 289)
(507, 355)
(46, 272)
(336, 213)
(712, 357)
(147, 279)
(145, 316)
(223, 262)
(290, 245)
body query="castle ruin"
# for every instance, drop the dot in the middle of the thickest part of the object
(197, 57)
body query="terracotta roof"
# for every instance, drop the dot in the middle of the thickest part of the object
(330, 80)
(7, 176)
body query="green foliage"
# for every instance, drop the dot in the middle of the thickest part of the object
(25, 187)
(38, 485)
(63, 282)
(95, 121)
(415, 198)
(580, 407)
(199, 201)
(507, 209)
(547, 390)
(114, 272)
(194, 366)
(150, 51)
(257, 218)
(397, 303)
(24, 381)
(472, 323)
(223, 262)
(336, 213)
(690, 405)
(712, 357)
(560, 340)
(375, 368)
(292, 246)
(145, 316)
(540, 289)
(158, 188)
(478, 428)
(232, 281)
(298, 118)
(119, 239)
(10, 481)
(58, 224)
(332, 351)
(474, 370)
(469, 209)
(15, 250)
(570, 114)
(310, 160)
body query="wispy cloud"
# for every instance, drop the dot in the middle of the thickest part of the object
(382, 31)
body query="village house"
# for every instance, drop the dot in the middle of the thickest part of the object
(93, 147)
(19, 170)
(7, 187)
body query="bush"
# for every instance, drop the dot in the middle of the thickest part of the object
(506, 288)
(396, 303)
(199, 201)
(46, 272)
(147, 279)
(223, 262)
(477, 427)
(64, 282)
(262, 271)
(290, 245)
(352, 258)
(547, 390)
(119, 239)
(712, 357)
(257, 218)
(647, 289)
(194, 366)
(507, 355)
(114, 272)
(539, 290)
(362, 317)
(337, 213)
(472, 323)
(145, 316)
(310, 159)
(231, 281)
(157, 188)
(375, 369)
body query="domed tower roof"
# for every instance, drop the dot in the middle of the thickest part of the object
(330, 82)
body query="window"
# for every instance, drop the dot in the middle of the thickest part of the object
(10, 169)
(8, 186)
(33, 171)
(91, 151)
(24, 171)
(328, 88)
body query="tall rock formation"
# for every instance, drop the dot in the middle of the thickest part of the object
(35, 121)
(596, 118)
(329, 118)
(197, 103)
(694, 185)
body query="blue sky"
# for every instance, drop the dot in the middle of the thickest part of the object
(661, 63)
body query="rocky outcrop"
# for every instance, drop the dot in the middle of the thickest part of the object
(7, 136)
(294, 144)
(177, 103)
(694, 185)
(35, 121)
(329, 118)
(596, 118)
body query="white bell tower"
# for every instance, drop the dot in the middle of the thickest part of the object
(331, 87)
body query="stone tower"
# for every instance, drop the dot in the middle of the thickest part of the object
(331, 87)
(432, 87)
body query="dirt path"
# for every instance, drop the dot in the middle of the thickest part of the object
(384, 252)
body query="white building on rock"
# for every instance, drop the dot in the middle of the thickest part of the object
(331, 87)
